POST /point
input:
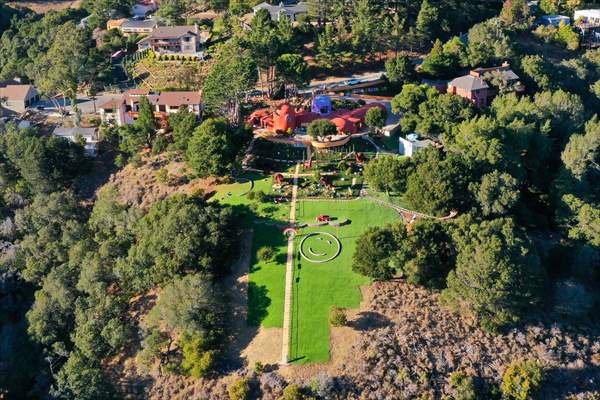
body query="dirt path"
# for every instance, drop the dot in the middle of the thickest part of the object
(289, 275)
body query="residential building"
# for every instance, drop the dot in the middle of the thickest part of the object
(587, 16)
(554, 20)
(412, 144)
(133, 26)
(182, 40)
(143, 8)
(139, 27)
(124, 110)
(16, 97)
(290, 11)
(88, 135)
(477, 88)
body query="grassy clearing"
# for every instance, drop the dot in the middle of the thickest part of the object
(317, 287)
(267, 279)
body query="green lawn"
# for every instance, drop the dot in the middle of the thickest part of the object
(317, 287)
(266, 280)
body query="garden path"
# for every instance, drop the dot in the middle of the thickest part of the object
(289, 276)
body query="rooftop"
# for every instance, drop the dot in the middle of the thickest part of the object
(72, 132)
(468, 83)
(15, 91)
(173, 32)
(139, 24)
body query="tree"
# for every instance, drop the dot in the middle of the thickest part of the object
(409, 99)
(497, 193)
(489, 42)
(365, 29)
(214, 147)
(83, 379)
(375, 118)
(538, 71)
(559, 6)
(239, 389)
(426, 255)
(498, 276)
(328, 48)
(400, 71)
(438, 185)
(522, 380)
(182, 124)
(438, 64)
(172, 11)
(50, 226)
(231, 76)
(178, 235)
(373, 250)
(582, 153)
(321, 128)
(567, 36)
(145, 123)
(43, 164)
(427, 25)
(293, 70)
(516, 13)
(388, 174)
(60, 71)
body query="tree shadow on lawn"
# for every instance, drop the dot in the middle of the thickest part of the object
(258, 303)
(368, 320)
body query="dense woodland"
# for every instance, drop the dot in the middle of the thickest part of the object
(523, 175)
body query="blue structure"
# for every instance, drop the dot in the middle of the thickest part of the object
(322, 105)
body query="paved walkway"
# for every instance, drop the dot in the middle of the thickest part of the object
(289, 277)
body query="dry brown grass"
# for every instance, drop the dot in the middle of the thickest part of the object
(42, 7)
(140, 187)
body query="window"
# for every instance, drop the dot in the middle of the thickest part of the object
(186, 39)
(162, 108)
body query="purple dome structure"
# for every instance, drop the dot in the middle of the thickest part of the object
(322, 105)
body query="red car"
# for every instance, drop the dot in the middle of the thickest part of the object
(323, 218)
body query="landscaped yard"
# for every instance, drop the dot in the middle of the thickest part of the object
(266, 279)
(318, 286)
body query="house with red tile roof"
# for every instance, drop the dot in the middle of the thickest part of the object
(124, 110)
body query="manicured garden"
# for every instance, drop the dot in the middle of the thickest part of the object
(319, 286)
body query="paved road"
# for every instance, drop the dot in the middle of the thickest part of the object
(85, 103)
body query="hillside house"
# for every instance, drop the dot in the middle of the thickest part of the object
(15, 98)
(89, 136)
(477, 87)
(287, 10)
(124, 110)
(180, 40)
(130, 26)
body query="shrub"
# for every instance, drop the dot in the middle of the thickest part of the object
(239, 390)
(120, 161)
(258, 367)
(337, 316)
(162, 176)
(292, 392)
(251, 195)
(463, 386)
(522, 380)
(261, 196)
(159, 145)
(265, 253)
(136, 160)
(196, 361)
